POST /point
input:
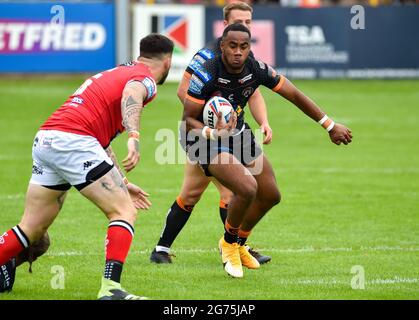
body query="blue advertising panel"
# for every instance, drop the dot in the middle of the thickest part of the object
(333, 42)
(56, 37)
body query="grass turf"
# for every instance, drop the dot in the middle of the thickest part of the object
(341, 206)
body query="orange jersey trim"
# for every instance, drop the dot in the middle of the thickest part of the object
(279, 85)
(194, 99)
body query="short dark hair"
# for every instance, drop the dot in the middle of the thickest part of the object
(155, 45)
(236, 27)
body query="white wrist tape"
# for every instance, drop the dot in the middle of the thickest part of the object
(323, 120)
(204, 133)
(327, 123)
(331, 126)
(212, 136)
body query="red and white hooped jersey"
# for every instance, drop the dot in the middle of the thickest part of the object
(95, 108)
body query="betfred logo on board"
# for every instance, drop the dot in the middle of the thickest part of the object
(31, 36)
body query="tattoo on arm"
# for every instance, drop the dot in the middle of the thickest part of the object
(131, 108)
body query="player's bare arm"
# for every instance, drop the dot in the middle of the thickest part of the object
(183, 86)
(133, 97)
(191, 111)
(259, 112)
(338, 134)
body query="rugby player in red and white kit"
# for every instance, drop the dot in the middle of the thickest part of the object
(72, 148)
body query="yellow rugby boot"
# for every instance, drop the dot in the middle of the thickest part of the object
(230, 257)
(247, 259)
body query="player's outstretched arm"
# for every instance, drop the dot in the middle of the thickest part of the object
(259, 112)
(133, 97)
(338, 132)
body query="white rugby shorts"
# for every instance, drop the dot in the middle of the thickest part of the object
(62, 159)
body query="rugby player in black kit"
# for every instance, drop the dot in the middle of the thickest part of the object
(195, 182)
(229, 152)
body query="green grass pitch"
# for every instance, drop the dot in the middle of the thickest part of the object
(346, 206)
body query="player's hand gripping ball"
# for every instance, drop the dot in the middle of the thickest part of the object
(212, 107)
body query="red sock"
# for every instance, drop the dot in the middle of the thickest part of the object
(12, 243)
(118, 240)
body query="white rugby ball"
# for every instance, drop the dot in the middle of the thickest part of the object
(212, 107)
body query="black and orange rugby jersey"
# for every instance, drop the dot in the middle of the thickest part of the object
(212, 79)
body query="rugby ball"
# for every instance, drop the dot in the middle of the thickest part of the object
(212, 107)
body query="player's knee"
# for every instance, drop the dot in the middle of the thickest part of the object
(126, 213)
(225, 200)
(130, 216)
(270, 197)
(274, 197)
(247, 190)
(191, 197)
(33, 231)
(225, 196)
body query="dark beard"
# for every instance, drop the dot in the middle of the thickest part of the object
(163, 79)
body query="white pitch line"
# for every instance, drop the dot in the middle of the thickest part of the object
(12, 196)
(270, 250)
(69, 253)
(283, 282)
(14, 157)
(391, 170)
(334, 282)
(388, 248)
(372, 170)
(395, 280)
(288, 282)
